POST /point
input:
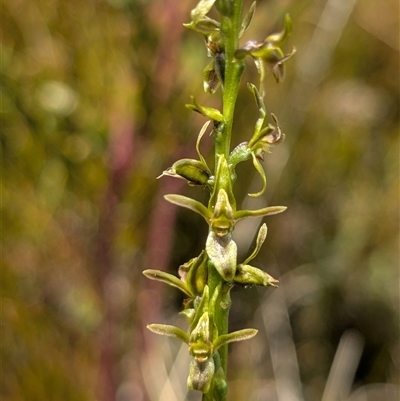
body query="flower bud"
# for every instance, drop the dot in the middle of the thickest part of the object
(193, 171)
(248, 276)
(194, 273)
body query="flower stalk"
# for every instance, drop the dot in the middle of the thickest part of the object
(207, 279)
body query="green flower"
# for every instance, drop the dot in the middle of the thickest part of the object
(263, 138)
(268, 51)
(203, 339)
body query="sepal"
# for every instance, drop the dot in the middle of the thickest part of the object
(169, 279)
(239, 335)
(247, 19)
(168, 330)
(204, 25)
(189, 203)
(201, 10)
(266, 211)
(262, 234)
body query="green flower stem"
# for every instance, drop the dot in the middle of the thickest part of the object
(208, 278)
(230, 28)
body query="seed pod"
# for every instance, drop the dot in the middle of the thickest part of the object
(193, 171)
(249, 275)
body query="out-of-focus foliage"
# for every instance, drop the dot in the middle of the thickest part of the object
(92, 96)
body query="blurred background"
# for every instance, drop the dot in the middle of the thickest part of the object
(92, 96)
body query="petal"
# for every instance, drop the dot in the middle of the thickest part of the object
(247, 19)
(261, 71)
(279, 37)
(257, 165)
(201, 133)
